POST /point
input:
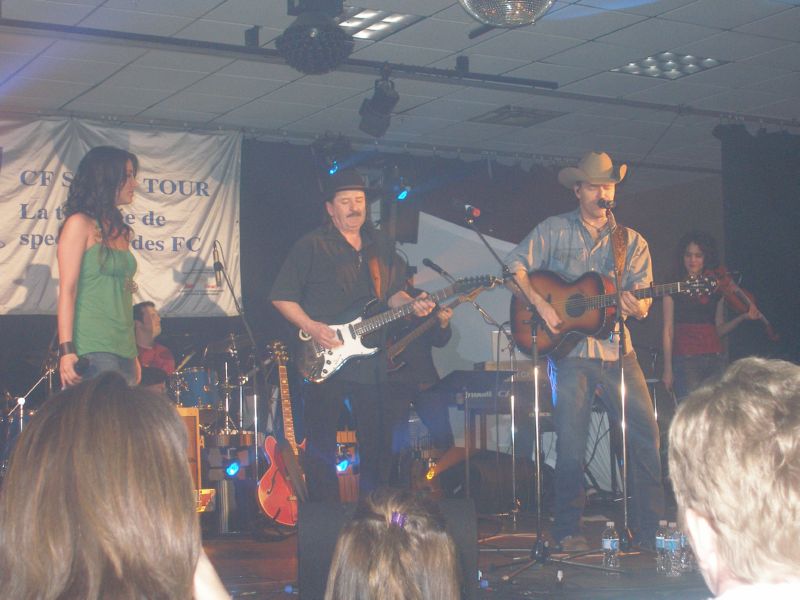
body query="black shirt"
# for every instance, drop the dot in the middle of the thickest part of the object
(331, 280)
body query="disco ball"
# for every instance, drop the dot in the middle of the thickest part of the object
(314, 44)
(511, 13)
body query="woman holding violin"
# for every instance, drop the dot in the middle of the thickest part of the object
(695, 325)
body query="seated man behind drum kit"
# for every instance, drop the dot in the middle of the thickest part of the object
(147, 327)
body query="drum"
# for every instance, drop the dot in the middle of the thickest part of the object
(193, 387)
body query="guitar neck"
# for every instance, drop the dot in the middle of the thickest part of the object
(286, 408)
(654, 291)
(400, 345)
(380, 320)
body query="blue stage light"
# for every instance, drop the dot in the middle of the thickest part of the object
(232, 469)
(342, 465)
(403, 194)
(334, 167)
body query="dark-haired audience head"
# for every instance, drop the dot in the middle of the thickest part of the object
(734, 457)
(395, 548)
(98, 500)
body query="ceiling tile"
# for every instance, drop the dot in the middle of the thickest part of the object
(676, 92)
(649, 8)
(312, 94)
(114, 53)
(236, 87)
(10, 63)
(742, 101)
(611, 84)
(182, 61)
(181, 8)
(205, 103)
(723, 14)
(57, 92)
(735, 75)
(451, 108)
(785, 109)
(657, 35)
(784, 57)
(260, 70)
(23, 43)
(478, 63)
(784, 25)
(597, 55)
(524, 44)
(135, 97)
(583, 22)
(43, 11)
(439, 35)
(730, 45)
(155, 79)
(133, 21)
(177, 114)
(70, 70)
(401, 53)
(544, 71)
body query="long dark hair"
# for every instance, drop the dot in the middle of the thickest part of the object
(101, 472)
(95, 186)
(707, 244)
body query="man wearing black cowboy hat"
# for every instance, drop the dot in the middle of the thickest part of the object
(570, 245)
(326, 272)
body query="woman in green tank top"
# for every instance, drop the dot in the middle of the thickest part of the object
(96, 269)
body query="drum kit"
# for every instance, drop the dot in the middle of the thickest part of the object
(215, 381)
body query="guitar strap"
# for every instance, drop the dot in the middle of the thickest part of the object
(619, 242)
(375, 273)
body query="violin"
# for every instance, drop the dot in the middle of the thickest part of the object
(738, 299)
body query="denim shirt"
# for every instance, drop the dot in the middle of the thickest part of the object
(562, 244)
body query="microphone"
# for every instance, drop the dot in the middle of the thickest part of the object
(82, 365)
(606, 203)
(217, 266)
(432, 265)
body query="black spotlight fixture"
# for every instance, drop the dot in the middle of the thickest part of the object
(314, 43)
(376, 112)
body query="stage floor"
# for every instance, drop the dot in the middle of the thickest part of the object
(255, 568)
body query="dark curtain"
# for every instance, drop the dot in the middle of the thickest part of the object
(761, 198)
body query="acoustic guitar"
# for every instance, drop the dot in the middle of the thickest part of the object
(586, 306)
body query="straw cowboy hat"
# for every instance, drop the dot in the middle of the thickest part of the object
(595, 167)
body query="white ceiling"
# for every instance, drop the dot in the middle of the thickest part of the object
(654, 122)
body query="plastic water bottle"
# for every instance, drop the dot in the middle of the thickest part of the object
(687, 559)
(610, 546)
(672, 544)
(661, 553)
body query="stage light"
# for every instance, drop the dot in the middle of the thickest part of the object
(403, 193)
(342, 465)
(232, 469)
(334, 167)
(314, 43)
(376, 112)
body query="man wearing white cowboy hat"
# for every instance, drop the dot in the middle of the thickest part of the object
(570, 245)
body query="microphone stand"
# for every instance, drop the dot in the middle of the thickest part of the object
(540, 552)
(256, 365)
(625, 534)
(491, 321)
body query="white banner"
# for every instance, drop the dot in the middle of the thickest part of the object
(188, 196)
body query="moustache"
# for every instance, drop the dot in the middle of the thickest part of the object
(355, 214)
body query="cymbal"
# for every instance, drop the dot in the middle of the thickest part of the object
(228, 344)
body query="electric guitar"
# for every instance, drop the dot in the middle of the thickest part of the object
(283, 484)
(355, 325)
(396, 348)
(586, 307)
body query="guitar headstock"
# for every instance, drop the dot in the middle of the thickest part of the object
(467, 284)
(701, 285)
(277, 352)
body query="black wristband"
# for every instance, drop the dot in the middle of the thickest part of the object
(66, 348)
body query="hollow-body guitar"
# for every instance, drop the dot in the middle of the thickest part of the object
(586, 306)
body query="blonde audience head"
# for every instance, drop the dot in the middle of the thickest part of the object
(395, 548)
(734, 460)
(98, 500)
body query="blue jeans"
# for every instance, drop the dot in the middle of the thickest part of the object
(100, 362)
(691, 371)
(574, 382)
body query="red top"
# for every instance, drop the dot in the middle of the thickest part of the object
(159, 357)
